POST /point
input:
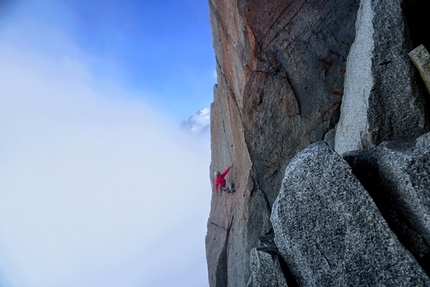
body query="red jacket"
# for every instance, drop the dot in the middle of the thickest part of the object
(220, 180)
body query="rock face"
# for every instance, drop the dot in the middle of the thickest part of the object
(281, 67)
(397, 176)
(266, 270)
(331, 233)
(382, 100)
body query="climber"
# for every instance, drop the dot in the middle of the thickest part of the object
(220, 182)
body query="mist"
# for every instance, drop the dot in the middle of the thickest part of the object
(96, 187)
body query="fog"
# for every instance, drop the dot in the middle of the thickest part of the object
(96, 187)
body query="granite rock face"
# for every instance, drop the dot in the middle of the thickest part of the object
(397, 176)
(329, 230)
(382, 100)
(280, 67)
(266, 270)
(281, 74)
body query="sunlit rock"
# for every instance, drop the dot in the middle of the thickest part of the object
(382, 100)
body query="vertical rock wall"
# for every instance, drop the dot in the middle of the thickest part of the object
(382, 101)
(280, 67)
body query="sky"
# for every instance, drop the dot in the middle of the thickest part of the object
(161, 50)
(98, 187)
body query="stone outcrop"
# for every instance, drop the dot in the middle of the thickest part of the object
(382, 100)
(280, 67)
(329, 230)
(397, 176)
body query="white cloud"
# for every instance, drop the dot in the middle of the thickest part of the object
(96, 188)
(214, 74)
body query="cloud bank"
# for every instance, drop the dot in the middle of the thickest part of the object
(97, 189)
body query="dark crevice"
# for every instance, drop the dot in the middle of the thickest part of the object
(268, 245)
(222, 272)
(222, 266)
(289, 277)
(368, 172)
(294, 94)
(385, 63)
(257, 188)
(417, 18)
(425, 263)
(274, 173)
(266, 200)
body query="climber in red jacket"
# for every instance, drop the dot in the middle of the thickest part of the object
(220, 182)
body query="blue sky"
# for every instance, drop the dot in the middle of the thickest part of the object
(161, 50)
(97, 185)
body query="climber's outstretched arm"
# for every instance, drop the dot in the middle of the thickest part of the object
(226, 171)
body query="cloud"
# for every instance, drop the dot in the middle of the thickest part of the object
(97, 189)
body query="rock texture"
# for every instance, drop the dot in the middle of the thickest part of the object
(280, 67)
(382, 100)
(397, 176)
(266, 270)
(331, 233)
(226, 238)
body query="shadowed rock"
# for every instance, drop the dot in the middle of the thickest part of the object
(397, 176)
(280, 67)
(330, 232)
(382, 99)
(266, 269)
